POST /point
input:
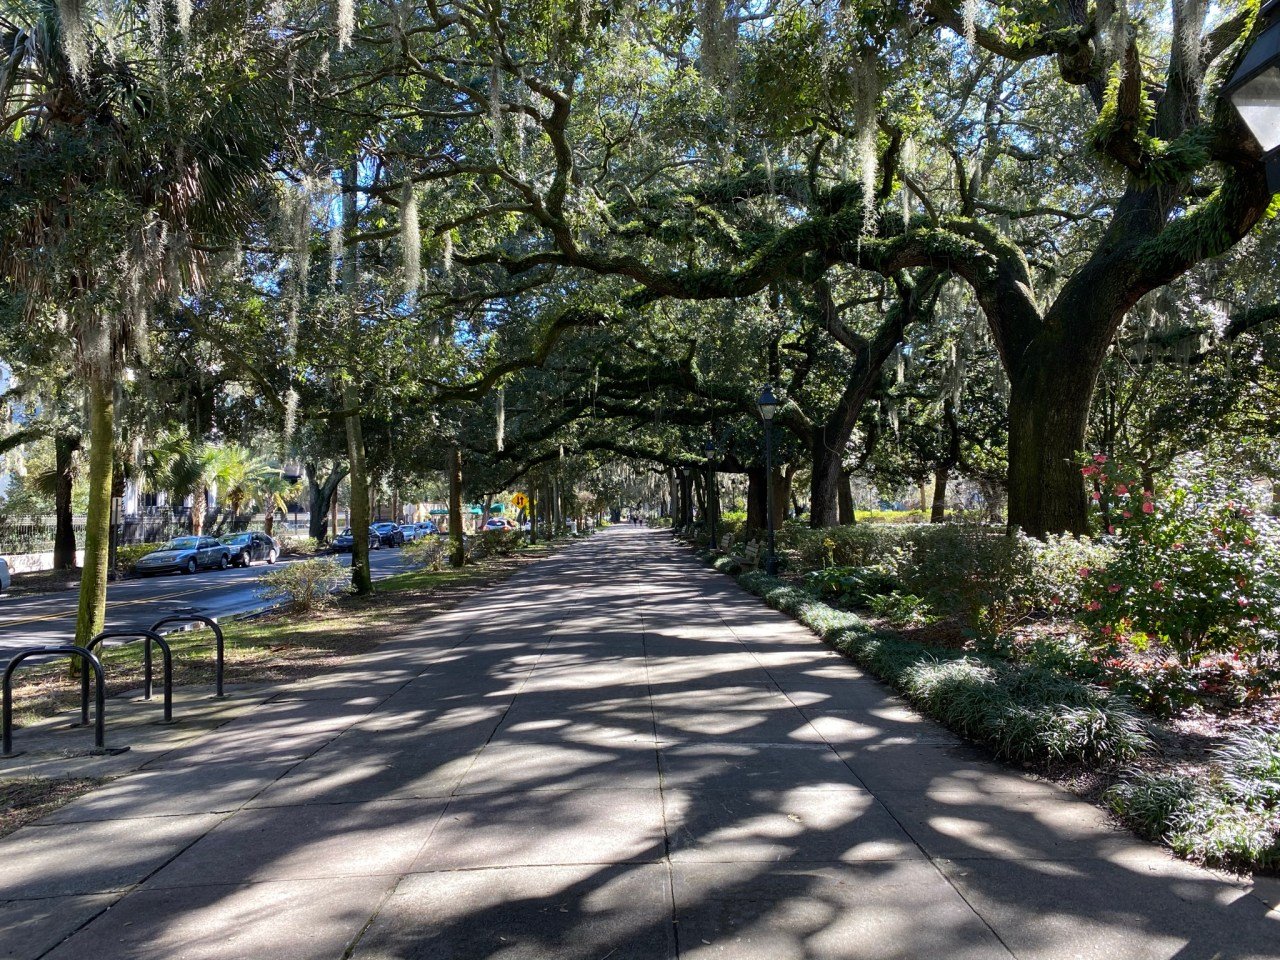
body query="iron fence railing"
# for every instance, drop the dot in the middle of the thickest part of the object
(35, 534)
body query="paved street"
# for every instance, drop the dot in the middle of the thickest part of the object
(617, 754)
(51, 617)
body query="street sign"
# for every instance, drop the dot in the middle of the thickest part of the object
(519, 501)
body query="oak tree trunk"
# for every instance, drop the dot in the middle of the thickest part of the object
(1048, 416)
(848, 513)
(938, 513)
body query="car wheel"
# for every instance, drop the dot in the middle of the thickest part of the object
(223, 562)
(191, 566)
(244, 560)
(271, 556)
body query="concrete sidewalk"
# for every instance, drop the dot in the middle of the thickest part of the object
(616, 754)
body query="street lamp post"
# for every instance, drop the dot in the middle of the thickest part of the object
(1254, 90)
(768, 406)
(713, 496)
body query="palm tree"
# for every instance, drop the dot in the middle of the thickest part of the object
(272, 493)
(125, 163)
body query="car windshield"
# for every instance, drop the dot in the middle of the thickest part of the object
(237, 538)
(182, 543)
(346, 532)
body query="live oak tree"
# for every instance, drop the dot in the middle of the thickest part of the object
(772, 148)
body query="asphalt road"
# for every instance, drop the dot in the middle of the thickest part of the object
(49, 618)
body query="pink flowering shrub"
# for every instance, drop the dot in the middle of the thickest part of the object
(1194, 573)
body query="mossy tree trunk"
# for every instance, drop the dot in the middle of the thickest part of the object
(93, 582)
(320, 497)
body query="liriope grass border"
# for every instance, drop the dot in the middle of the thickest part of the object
(1034, 715)
(1023, 713)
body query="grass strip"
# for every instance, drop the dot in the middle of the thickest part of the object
(281, 647)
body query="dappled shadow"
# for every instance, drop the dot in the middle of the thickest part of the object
(622, 755)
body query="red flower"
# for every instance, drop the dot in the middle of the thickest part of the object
(1100, 458)
(1089, 471)
(1122, 489)
(1128, 514)
(1114, 588)
(1148, 508)
(1084, 571)
(1094, 606)
(1157, 585)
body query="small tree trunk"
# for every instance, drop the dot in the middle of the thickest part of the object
(938, 513)
(65, 445)
(93, 582)
(361, 575)
(457, 546)
(848, 514)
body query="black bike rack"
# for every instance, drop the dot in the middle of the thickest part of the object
(149, 637)
(207, 621)
(89, 661)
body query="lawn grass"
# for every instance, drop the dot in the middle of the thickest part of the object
(280, 647)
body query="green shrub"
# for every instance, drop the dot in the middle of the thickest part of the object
(128, 554)
(431, 552)
(903, 609)
(859, 545)
(502, 542)
(984, 577)
(306, 585)
(1195, 571)
(852, 586)
(299, 546)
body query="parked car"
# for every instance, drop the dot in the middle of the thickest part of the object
(185, 555)
(346, 541)
(250, 546)
(390, 533)
(500, 523)
(409, 531)
(427, 528)
(5, 579)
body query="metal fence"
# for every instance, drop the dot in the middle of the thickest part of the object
(34, 534)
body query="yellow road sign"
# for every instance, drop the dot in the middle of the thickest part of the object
(519, 501)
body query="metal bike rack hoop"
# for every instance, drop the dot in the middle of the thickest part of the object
(149, 636)
(207, 621)
(90, 662)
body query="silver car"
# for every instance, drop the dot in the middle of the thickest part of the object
(185, 555)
